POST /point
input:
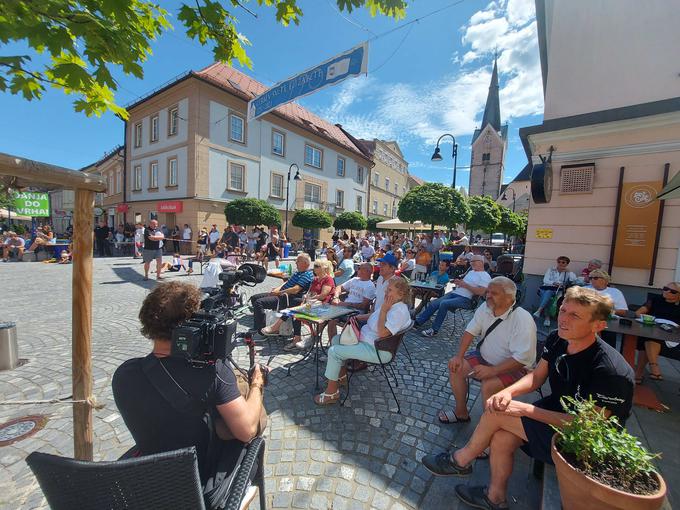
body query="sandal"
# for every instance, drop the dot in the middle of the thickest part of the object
(652, 375)
(326, 399)
(449, 417)
(342, 381)
(638, 380)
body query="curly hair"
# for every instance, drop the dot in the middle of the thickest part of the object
(166, 307)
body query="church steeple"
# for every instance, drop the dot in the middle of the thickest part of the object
(492, 110)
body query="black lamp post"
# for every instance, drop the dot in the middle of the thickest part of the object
(514, 197)
(438, 157)
(296, 178)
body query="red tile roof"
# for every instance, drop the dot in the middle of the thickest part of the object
(246, 88)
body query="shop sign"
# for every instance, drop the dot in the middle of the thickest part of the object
(30, 203)
(173, 206)
(122, 208)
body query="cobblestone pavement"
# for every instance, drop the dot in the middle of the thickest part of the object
(362, 455)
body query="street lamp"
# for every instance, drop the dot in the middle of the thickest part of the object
(296, 178)
(514, 197)
(438, 157)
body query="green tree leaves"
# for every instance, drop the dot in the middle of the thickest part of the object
(312, 218)
(251, 211)
(350, 221)
(434, 204)
(371, 223)
(79, 41)
(512, 223)
(486, 214)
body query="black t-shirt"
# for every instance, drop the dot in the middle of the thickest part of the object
(101, 233)
(150, 244)
(662, 309)
(231, 238)
(599, 371)
(154, 423)
(273, 250)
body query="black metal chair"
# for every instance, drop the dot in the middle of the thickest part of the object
(390, 344)
(168, 480)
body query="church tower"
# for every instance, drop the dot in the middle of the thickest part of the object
(489, 145)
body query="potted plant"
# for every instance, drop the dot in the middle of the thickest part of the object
(601, 466)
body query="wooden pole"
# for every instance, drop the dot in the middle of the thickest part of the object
(659, 223)
(617, 213)
(83, 231)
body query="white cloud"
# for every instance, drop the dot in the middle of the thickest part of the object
(422, 112)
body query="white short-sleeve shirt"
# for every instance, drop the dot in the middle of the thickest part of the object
(476, 279)
(398, 318)
(616, 295)
(380, 288)
(514, 338)
(359, 290)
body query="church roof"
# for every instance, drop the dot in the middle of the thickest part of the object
(503, 133)
(492, 110)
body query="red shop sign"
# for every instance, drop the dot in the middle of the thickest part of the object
(122, 208)
(174, 206)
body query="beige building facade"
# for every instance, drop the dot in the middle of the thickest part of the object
(609, 130)
(389, 178)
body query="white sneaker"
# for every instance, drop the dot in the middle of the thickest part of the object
(291, 346)
(546, 323)
(429, 332)
(304, 344)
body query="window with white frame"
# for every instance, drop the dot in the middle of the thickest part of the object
(341, 166)
(237, 132)
(119, 181)
(277, 186)
(396, 188)
(394, 208)
(236, 177)
(312, 193)
(172, 172)
(278, 143)
(384, 208)
(154, 128)
(376, 178)
(138, 134)
(340, 199)
(153, 174)
(387, 183)
(375, 207)
(109, 186)
(360, 174)
(313, 156)
(138, 178)
(173, 119)
(360, 204)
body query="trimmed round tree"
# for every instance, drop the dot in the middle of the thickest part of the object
(510, 223)
(312, 218)
(486, 214)
(371, 223)
(434, 204)
(251, 211)
(350, 220)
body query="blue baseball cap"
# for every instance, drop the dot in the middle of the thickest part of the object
(390, 259)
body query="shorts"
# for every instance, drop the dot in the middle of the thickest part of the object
(474, 358)
(539, 434)
(149, 255)
(202, 248)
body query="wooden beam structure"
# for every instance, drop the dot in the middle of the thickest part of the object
(19, 172)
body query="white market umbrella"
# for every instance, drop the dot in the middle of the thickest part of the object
(4, 213)
(397, 224)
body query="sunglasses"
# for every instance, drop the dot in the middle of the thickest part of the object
(596, 278)
(672, 291)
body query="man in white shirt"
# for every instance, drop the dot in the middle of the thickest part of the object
(367, 250)
(213, 238)
(473, 284)
(437, 245)
(139, 240)
(361, 291)
(186, 238)
(504, 354)
(13, 244)
(463, 241)
(599, 281)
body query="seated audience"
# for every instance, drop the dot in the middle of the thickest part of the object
(345, 270)
(14, 244)
(391, 317)
(459, 267)
(286, 295)
(441, 275)
(321, 290)
(555, 278)
(360, 292)
(489, 262)
(599, 282)
(422, 264)
(593, 264)
(504, 354)
(467, 252)
(407, 265)
(577, 364)
(473, 284)
(43, 237)
(665, 306)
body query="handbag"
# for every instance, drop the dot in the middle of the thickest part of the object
(350, 333)
(553, 307)
(271, 316)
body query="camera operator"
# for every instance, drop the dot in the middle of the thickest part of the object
(142, 386)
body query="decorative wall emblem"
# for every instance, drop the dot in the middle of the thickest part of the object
(640, 196)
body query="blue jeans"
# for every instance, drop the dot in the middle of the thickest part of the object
(546, 296)
(441, 307)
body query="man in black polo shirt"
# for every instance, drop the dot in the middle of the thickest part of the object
(577, 363)
(153, 250)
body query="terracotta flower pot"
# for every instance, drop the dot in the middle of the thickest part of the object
(580, 492)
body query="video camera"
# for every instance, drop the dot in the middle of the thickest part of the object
(209, 334)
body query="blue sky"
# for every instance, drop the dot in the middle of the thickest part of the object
(424, 80)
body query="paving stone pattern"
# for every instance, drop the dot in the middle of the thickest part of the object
(362, 455)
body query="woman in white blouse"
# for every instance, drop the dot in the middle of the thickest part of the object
(391, 318)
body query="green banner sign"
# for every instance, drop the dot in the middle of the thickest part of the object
(30, 203)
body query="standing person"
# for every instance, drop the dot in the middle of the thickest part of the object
(437, 245)
(153, 249)
(310, 246)
(101, 234)
(463, 239)
(274, 251)
(555, 278)
(367, 250)
(175, 236)
(231, 238)
(213, 238)
(187, 235)
(252, 241)
(139, 240)
(202, 244)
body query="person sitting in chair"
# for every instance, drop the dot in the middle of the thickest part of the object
(577, 364)
(142, 388)
(388, 319)
(473, 284)
(555, 278)
(507, 349)
(14, 245)
(361, 291)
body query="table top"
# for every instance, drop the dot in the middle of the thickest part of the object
(319, 313)
(426, 285)
(638, 329)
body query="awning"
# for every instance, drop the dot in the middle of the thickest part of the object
(672, 189)
(397, 224)
(4, 213)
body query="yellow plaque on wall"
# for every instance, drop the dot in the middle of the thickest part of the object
(636, 230)
(544, 233)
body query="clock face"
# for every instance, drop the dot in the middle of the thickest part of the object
(541, 183)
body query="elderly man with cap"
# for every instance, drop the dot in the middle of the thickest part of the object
(599, 282)
(473, 284)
